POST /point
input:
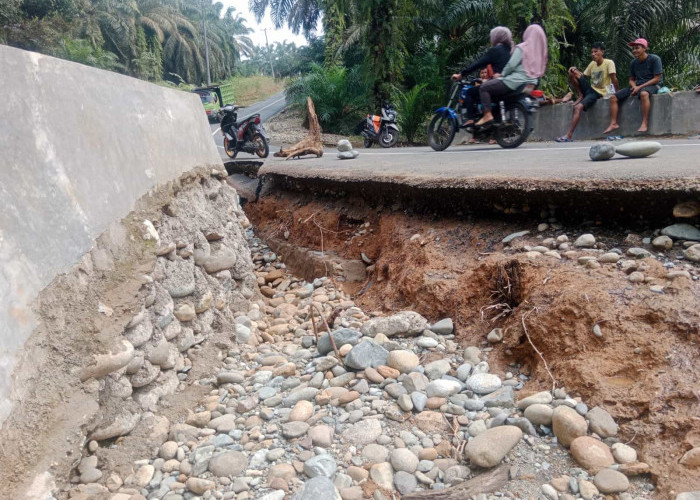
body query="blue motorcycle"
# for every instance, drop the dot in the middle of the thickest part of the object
(512, 118)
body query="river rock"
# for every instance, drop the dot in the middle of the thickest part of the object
(383, 475)
(692, 253)
(366, 354)
(344, 145)
(611, 481)
(228, 464)
(437, 369)
(294, 429)
(543, 398)
(403, 361)
(348, 155)
(483, 383)
(601, 151)
(302, 411)
(341, 337)
(567, 425)
(585, 241)
(601, 422)
(317, 488)
(442, 388)
(321, 465)
(406, 323)
(491, 446)
(662, 242)
(443, 327)
(363, 432)
(624, 454)
(638, 149)
(539, 414)
(591, 454)
(682, 232)
(402, 459)
(687, 209)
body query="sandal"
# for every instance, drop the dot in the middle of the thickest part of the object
(485, 125)
(563, 138)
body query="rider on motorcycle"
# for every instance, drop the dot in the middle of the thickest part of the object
(497, 56)
(526, 66)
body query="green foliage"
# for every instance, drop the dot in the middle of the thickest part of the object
(150, 39)
(83, 52)
(340, 96)
(413, 108)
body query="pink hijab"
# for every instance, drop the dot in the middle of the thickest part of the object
(534, 47)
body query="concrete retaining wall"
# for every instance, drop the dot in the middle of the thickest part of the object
(78, 146)
(677, 114)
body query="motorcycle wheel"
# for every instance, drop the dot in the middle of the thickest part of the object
(229, 153)
(388, 138)
(516, 126)
(441, 132)
(367, 142)
(261, 147)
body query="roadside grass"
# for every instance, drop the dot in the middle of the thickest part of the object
(251, 89)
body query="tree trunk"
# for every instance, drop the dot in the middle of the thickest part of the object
(311, 144)
(483, 483)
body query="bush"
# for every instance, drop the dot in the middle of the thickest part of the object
(413, 107)
(340, 96)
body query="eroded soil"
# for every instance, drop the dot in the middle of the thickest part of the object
(644, 369)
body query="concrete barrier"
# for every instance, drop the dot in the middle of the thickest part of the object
(78, 146)
(677, 114)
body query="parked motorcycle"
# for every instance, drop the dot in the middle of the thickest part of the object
(512, 118)
(247, 136)
(381, 129)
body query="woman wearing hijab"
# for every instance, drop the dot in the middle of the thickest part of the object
(526, 65)
(497, 56)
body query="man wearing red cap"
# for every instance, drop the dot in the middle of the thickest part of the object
(645, 79)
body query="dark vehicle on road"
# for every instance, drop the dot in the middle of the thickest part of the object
(511, 127)
(381, 129)
(248, 135)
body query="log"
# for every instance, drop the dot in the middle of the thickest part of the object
(309, 145)
(484, 483)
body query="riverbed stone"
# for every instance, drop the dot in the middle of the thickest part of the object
(342, 336)
(591, 454)
(406, 323)
(611, 481)
(491, 446)
(682, 232)
(366, 354)
(403, 361)
(601, 422)
(567, 425)
(601, 151)
(483, 383)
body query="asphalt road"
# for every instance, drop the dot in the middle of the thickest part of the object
(676, 165)
(267, 109)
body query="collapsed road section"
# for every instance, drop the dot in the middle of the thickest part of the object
(608, 313)
(558, 181)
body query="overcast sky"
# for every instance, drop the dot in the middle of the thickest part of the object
(258, 37)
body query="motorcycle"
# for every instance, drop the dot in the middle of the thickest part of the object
(247, 136)
(512, 118)
(380, 128)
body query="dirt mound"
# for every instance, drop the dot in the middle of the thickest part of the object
(642, 369)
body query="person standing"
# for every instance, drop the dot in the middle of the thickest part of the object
(646, 77)
(590, 85)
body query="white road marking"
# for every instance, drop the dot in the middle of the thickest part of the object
(265, 107)
(215, 131)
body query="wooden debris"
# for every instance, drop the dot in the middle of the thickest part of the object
(311, 144)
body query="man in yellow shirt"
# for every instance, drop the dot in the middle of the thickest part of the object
(591, 85)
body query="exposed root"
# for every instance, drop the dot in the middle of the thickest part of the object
(539, 353)
(508, 283)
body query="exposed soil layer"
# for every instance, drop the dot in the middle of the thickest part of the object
(644, 368)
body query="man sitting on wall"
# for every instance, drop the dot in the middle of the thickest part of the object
(645, 80)
(590, 85)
